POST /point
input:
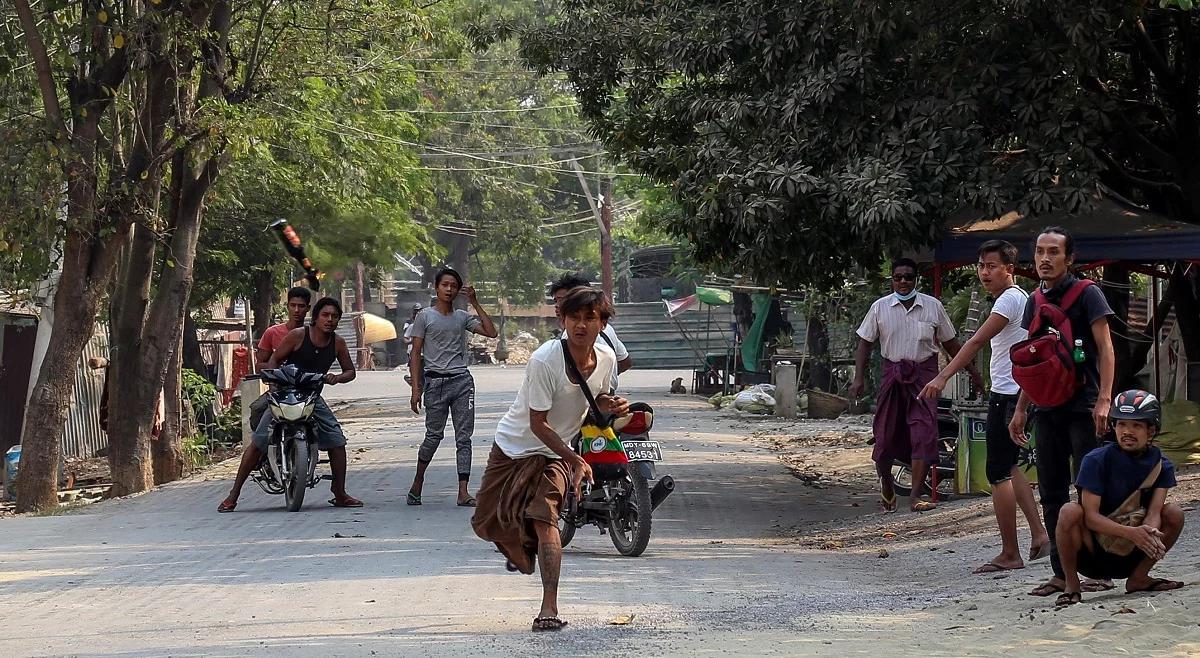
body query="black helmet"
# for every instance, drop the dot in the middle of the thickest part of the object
(1137, 405)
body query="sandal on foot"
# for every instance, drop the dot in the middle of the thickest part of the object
(1068, 598)
(413, 499)
(1046, 589)
(1039, 552)
(1158, 585)
(226, 506)
(994, 567)
(348, 501)
(548, 624)
(469, 502)
(887, 505)
(1094, 585)
(923, 506)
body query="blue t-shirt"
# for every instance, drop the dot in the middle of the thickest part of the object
(1113, 474)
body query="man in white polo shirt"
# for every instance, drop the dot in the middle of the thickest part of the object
(910, 327)
(1010, 488)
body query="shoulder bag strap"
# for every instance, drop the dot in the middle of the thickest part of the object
(1134, 500)
(583, 386)
(1073, 295)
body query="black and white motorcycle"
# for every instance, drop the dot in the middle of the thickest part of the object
(289, 466)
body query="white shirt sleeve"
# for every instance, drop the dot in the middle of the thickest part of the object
(1010, 305)
(540, 385)
(617, 345)
(869, 329)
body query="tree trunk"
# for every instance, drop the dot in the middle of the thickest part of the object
(76, 302)
(816, 343)
(193, 358)
(264, 296)
(129, 393)
(168, 449)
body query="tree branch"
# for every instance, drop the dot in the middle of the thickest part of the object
(41, 64)
(1138, 181)
(1154, 57)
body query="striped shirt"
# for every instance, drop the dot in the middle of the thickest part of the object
(907, 334)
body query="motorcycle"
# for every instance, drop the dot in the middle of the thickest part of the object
(289, 465)
(620, 502)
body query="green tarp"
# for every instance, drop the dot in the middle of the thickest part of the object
(752, 344)
(1180, 437)
(714, 296)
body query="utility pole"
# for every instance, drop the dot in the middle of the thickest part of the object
(606, 264)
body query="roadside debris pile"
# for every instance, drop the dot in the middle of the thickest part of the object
(758, 399)
(520, 348)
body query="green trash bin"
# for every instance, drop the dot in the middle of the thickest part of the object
(971, 467)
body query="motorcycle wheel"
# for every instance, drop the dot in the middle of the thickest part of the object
(902, 474)
(297, 484)
(630, 529)
(566, 529)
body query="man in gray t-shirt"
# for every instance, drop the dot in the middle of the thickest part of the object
(442, 347)
(438, 368)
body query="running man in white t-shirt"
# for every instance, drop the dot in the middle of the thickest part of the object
(531, 465)
(1010, 488)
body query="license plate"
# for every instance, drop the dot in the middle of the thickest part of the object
(642, 451)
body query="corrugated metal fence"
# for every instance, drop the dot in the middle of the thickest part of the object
(82, 436)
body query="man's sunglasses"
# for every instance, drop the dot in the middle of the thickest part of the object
(904, 277)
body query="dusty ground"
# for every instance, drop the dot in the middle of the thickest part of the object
(736, 564)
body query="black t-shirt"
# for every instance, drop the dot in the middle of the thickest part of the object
(1090, 306)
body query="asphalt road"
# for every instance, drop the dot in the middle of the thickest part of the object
(164, 574)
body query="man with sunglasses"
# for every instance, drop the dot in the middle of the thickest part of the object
(910, 327)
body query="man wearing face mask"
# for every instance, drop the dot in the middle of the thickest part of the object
(910, 328)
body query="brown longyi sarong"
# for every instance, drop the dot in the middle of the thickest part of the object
(512, 495)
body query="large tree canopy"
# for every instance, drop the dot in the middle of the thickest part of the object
(803, 138)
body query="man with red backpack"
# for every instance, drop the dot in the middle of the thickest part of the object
(1065, 371)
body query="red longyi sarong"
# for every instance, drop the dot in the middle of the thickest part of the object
(905, 425)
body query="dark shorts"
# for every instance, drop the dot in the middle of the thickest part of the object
(1002, 453)
(1100, 564)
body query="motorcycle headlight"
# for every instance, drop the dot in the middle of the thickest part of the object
(308, 408)
(293, 412)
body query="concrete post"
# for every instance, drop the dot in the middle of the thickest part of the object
(787, 394)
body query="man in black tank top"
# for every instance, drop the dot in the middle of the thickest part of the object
(311, 349)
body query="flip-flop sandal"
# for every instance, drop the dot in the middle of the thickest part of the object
(345, 502)
(548, 624)
(469, 502)
(887, 505)
(1046, 589)
(992, 567)
(1093, 585)
(1068, 598)
(1041, 553)
(413, 499)
(923, 506)
(1159, 585)
(226, 507)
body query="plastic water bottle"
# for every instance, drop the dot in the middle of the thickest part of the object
(1077, 353)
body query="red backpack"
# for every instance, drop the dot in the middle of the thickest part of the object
(1043, 365)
